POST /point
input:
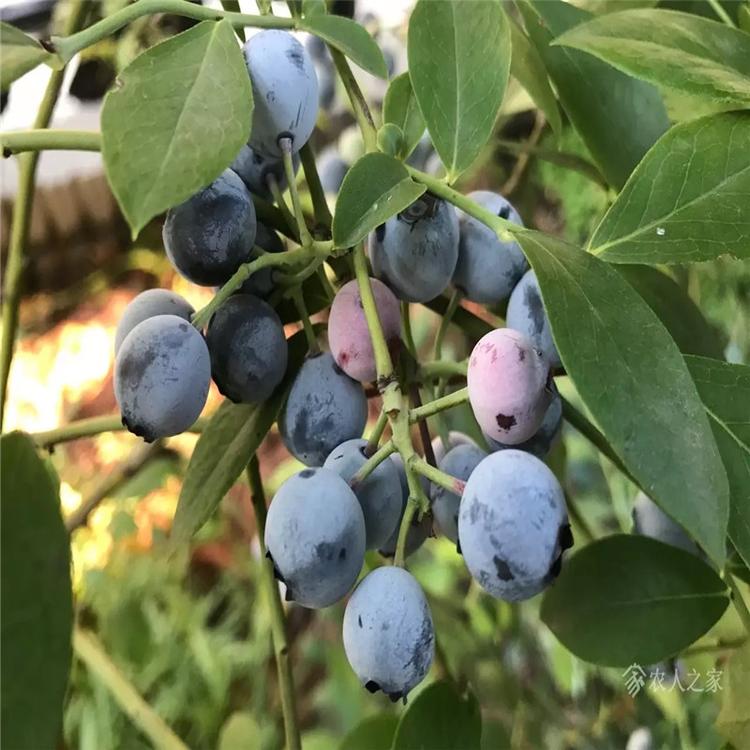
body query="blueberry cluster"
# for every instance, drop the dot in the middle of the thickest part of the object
(509, 522)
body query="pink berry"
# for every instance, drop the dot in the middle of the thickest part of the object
(509, 388)
(349, 336)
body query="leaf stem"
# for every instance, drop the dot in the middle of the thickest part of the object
(68, 46)
(41, 139)
(90, 651)
(21, 221)
(456, 398)
(278, 624)
(737, 599)
(317, 194)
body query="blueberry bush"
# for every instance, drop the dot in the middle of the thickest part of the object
(318, 267)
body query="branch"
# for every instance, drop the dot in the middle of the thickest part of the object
(19, 141)
(356, 97)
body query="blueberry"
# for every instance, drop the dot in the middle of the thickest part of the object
(459, 462)
(509, 386)
(162, 374)
(332, 169)
(455, 438)
(325, 407)
(415, 252)
(349, 335)
(315, 536)
(526, 314)
(148, 304)
(419, 530)
(389, 638)
(285, 91)
(261, 282)
(254, 169)
(211, 234)
(650, 520)
(488, 268)
(248, 349)
(541, 442)
(513, 525)
(379, 494)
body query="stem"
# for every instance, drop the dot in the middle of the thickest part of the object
(278, 197)
(359, 104)
(90, 651)
(22, 216)
(299, 301)
(579, 519)
(721, 13)
(446, 402)
(116, 478)
(712, 648)
(439, 188)
(442, 368)
(372, 463)
(738, 600)
(523, 157)
(286, 149)
(233, 6)
(327, 286)
(445, 321)
(278, 625)
(452, 484)
(19, 141)
(274, 217)
(320, 204)
(408, 333)
(92, 427)
(377, 433)
(424, 433)
(417, 500)
(68, 46)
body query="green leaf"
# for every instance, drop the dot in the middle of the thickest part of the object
(239, 732)
(374, 189)
(400, 108)
(631, 600)
(687, 200)
(373, 733)
(725, 391)
(21, 53)
(348, 37)
(459, 60)
(440, 717)
(633, 379)
(618, 117)
(733, 721)
(692, 333)
(683, 51)
(528, 69)
(177, 117)
(36, 599)
(225, 447)
(313, 8)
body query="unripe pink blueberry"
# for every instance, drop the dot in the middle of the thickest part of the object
(509, 388)
(349, 336)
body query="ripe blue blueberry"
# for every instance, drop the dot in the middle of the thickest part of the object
(389, 638)
(315, 536)
(488, 268)
(285, 91)
(379, 494)
(650, 520)
(325, 407)
(526, 314)
(211, 234)
(415, 252)
(541, 442)
(148, 304)
(459, 462)
(254, 170)
(513, 525)
(261, 282)
(162, 374)
(419, 529)
(248, 349)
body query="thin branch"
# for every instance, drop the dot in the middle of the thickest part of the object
(41, 139)
(456, 398)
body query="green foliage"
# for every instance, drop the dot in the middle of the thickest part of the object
(375, 732)
(21, 53)
(618, 118)
(37, 601)
(374, 189)
(180, 113)
(682, 51)
(400, 108)
(459, 64)
(629, 599)
(647, 405)
(348, 37)
(686, 201)
(734, 719)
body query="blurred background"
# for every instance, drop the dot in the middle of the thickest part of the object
(192, 633)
